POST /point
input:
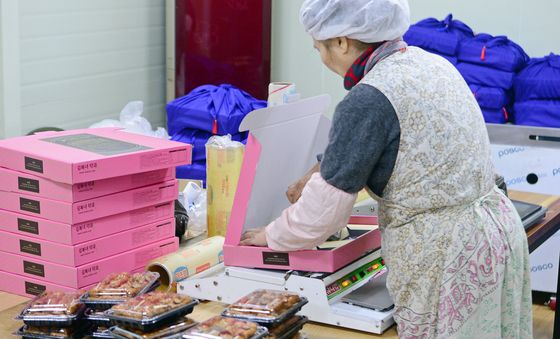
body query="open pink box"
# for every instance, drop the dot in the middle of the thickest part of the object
(24, 183)
(78, 156)
(72, 213)
(85, 275)
(282, 146)
(78, 233)
(89, 251)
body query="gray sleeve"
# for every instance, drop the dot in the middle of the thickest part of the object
(365, 130)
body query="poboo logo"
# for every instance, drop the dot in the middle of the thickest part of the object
(556, 172)
(510, 151)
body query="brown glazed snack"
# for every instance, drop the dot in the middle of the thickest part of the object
(121, 286)
(54, 303)
(264, 304)
(150, 305)
(224, 328)
(283, 327)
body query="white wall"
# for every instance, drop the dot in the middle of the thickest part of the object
(82, 61)
(532, 24)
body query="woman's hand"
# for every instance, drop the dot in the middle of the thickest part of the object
(255, 237)
(294, 190)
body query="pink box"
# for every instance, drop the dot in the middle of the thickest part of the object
(259, 199)
(24, 183)
(85, 275)
(89, 251)
(73, 213)
(78, 233)
(85, 155)
(28, 287)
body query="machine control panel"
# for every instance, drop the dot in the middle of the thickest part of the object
(365, 272)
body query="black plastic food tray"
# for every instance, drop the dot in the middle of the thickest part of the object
(102, 334)
(20, 332)
(150, 324)
(261, 333)
(123, 333)
(98, 320)
(292, 331)
(269, 321)
(52, 320)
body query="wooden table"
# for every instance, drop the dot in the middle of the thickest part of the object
(550, 225)
(10, 305)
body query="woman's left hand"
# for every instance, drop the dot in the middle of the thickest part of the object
(255, 237)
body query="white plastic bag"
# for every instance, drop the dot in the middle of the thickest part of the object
(193, 199)
(132, 121)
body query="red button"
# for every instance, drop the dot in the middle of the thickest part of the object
(354, 278)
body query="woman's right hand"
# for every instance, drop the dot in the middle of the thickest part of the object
(294, 190)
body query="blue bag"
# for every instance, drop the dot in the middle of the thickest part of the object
(442, 37)
(496, 52)
(540, 80)
(485, 76)
(490, 97)
(194, 171)
(198, 140)
(214, 109)
(543, 113)
(495, 116)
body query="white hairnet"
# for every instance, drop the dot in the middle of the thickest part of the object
(364, 20)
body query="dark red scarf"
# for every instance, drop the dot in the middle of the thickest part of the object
(369, 58)
(357, 71)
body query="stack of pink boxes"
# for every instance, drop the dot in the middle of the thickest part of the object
(78, 205)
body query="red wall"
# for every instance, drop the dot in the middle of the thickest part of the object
(223, 41)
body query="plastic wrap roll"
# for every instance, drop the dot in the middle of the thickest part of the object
(223, 165)
(280, 93)
(188, 261)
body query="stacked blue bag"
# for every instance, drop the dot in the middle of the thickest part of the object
(207, 110)
(439, 37)
(537, 93)
(489, 65)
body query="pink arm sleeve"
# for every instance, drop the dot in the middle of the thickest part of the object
(321, 211)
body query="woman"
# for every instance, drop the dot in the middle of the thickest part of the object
(411, 132)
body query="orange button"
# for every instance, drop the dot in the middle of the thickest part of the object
(375, 266)
(345, 283)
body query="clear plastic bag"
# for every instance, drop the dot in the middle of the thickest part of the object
(266, 306)
(193, 198)
(131, 120)
(220, 327)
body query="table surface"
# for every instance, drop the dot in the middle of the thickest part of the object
(551, 223)
(11, 305)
